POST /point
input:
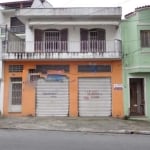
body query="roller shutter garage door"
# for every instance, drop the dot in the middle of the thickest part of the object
(52, 98)
(94, 96)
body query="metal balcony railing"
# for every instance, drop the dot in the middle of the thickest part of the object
(94, 46)
(49, 48)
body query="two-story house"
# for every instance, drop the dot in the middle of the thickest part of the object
(136, 62)
(61, 61)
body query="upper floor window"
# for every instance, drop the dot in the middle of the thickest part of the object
(52, 35)
(145, 38)
(16, 26)
(92, 40)
(93, 34)
(51, 40)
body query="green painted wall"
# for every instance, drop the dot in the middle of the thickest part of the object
(136, 60)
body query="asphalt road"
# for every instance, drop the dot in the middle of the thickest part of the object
(53, 140)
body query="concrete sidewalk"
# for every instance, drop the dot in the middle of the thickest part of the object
(85, 124)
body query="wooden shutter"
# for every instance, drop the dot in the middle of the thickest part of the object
(83, 34)
(101, 39)
(64, 40)
(38, 35)
(64, 34)
(15, 22)
(38, 38)
(84, 40)
(101, 34)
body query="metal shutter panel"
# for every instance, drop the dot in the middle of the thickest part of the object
(52, 98)
(94, 96)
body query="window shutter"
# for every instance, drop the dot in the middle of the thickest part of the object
(64, 34)
(14, 21)
(64, 40)
(101, 34)
(84, 34)
(38, 38)
(84, 40)
(38, 34)
(145, 38)
(101, 39)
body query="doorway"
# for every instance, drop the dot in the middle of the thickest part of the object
(15, 94)
(137, 104)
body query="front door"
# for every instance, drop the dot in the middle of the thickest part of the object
(137, 106)
(15, 94)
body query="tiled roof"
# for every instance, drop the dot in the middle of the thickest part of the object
(16, 4)
(136, 10)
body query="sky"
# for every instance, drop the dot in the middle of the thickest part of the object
(127, 5)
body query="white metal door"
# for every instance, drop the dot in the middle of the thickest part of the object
(94, 96)
(52, 97)
(15, 95)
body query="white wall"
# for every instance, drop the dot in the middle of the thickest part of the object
(1, 18)
(37, 4)
(74, 35)
(1, 97)
(74, 38)
(0, 59)
(29, 38)
(4, 20)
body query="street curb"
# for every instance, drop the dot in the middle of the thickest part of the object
(84, 131)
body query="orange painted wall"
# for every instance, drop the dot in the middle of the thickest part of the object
(28, 93)
(117, 94)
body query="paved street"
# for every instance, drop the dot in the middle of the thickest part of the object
(56, 140)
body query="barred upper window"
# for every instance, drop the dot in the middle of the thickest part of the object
(93, 40)
(145, 38)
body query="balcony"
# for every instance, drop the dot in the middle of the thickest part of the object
(42, 50)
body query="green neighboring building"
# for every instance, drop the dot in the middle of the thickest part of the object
(136, 62)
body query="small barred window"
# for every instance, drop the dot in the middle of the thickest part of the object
(15, 68)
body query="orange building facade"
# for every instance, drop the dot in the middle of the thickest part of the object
(61, 61)
(29, 89)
